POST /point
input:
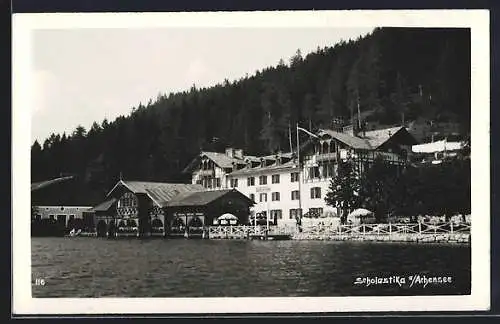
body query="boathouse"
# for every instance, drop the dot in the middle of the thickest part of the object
(137, 208)
(190, 212)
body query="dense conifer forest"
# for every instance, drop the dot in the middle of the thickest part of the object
(396, 75)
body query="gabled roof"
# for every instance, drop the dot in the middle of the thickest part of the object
(370, 140)
(202, 198)
(352, 141)
(43, 184)
(220, 159)
(290, 165)
(378, 137)
(161, 193)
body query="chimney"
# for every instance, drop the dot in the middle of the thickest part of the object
(230, 152)
(278, 158)
(238, 153)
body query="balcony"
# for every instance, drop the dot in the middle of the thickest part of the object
(388, 156)
(206, 173)
(332, 156)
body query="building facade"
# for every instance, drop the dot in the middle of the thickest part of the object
(138, 208)
(210, 169)
(60, 205)
(285, 190)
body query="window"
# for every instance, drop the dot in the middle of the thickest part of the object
(276, 178)
(315, 192)
(217, 182)
(295, 195)
(313, 172)
(294, 213)
(324, 171)
(294, 177)
(251, 181)
(263, 197)
(331, 170)
(198, 182)
(275, 196)
(276, 214)
(263, 180)
(234, 183)
(252, 196)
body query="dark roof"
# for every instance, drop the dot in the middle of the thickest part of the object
(105, 206)
(273, 167)
(43, 184)
(202, 198)
(161, 193)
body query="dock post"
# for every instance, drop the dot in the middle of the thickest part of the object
(419, 228)
(451, 227)
(390, 229)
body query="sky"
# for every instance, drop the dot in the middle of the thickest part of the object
(86, 75)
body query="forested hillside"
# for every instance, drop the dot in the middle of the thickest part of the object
(395, 73)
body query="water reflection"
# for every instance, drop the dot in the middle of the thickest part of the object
(91, 267)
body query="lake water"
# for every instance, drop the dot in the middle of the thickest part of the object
(94, 267)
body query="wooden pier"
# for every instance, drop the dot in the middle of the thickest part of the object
(415, 232)
(245, 232)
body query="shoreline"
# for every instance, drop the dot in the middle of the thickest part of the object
(445, 238)
(461, 238)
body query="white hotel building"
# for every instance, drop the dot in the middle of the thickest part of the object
(273, 181)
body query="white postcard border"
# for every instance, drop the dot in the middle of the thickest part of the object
(25, 24)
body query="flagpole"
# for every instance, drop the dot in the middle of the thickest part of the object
(298, 164)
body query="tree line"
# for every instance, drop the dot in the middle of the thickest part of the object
(443, 189)
(395, 74)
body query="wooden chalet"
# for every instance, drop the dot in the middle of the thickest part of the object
(322, 154)
(139, 208)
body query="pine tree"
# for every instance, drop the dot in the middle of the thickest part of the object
(344, 189)
(377, 188)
